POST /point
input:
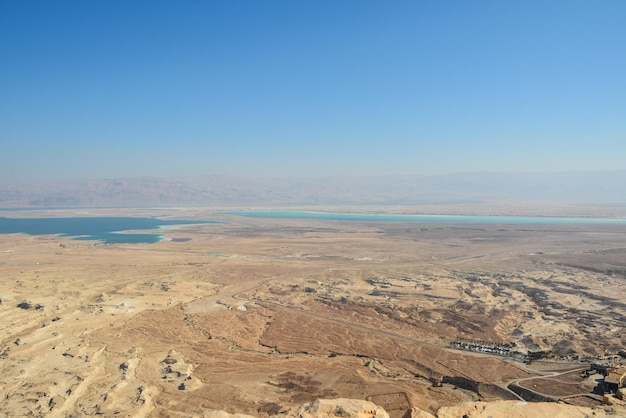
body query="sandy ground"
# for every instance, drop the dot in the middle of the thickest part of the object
(257, 316)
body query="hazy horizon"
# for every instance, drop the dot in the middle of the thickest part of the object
(309, 89)
(318, 176)
(605, 188)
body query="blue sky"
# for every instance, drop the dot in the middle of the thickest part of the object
(309, 88)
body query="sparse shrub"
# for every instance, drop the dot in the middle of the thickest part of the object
(24, 305)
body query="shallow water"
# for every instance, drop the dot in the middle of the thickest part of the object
(426, 218)
(104, 229)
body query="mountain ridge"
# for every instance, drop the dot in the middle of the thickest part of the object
(598, 187)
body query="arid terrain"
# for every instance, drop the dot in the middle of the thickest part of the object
(259, 316)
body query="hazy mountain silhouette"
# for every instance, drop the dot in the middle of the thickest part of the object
(600, 187)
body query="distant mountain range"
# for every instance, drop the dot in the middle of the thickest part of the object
(599, 187)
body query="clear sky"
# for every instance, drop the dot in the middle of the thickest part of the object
(309, 87)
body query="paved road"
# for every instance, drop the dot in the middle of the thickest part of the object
(547, 375)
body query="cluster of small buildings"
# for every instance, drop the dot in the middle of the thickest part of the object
(614, 376)
(615, 379)
(486, 348)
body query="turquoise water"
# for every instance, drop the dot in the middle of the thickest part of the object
(104, 229)
(426, 218)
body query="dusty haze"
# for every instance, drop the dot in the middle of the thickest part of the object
(606, 188)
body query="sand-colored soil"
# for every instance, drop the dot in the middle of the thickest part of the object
(257, 316)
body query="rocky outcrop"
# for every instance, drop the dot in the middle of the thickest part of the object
(345, 408)
(355, 408)
(517, 409)
(417, 413)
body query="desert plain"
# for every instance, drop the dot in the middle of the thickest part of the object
(261, 316)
